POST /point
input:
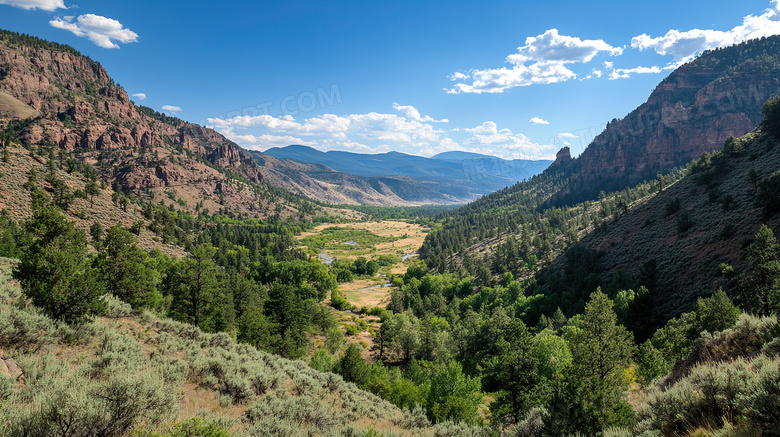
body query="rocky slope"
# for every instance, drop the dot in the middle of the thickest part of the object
(696, 108)
(693, 227)
(53, 98)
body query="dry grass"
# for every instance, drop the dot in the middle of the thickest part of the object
(10, 107)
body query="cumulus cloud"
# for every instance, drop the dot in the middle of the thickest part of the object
(171, 108)
(542, 60)
(537, 120)
(46, 5)
(351, 131)
(102, 31)
(265, 141)
(685, 44)
(622, 73)
(489, 139)
(140, 96)
(567, 135)
(551, 46)
(411, 113)
(498, 80)
(375, 133)
(458, 76)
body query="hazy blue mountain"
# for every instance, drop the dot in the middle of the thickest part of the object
(487, 173)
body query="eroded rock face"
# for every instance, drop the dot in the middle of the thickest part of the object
(83, 109)
(693, 110)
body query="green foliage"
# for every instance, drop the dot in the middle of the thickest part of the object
(768, 196)
(453, 395)
(760, 293)
(771, 113)
(515, 368)
(715, 313)
(56, 272)
(650, 363)
(684, 223)
(194, 427)
(713, 394)
(352, 367)
(602, 350)
(125, 270)
(198, 297)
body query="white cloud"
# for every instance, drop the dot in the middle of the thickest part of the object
(140, 96)
(458, 76)
(487, 138)
(411, 113)
(265, 141)
(537, 120)
(46, 5)
(375, 133)
(685, 44)
(542, 60)
(102, 31)
(350, 131)
(171, 108)
(622, 73)
(498, 80)
(567, 135)
(551, 46)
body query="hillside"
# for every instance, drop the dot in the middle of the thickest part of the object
(56, 102)
(124, 373)
(571, 198)
(451, 177)
(693, 110)
(694, 226)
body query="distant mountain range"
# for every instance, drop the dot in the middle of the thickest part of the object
(393, 177)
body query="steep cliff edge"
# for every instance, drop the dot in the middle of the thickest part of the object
(695, 109)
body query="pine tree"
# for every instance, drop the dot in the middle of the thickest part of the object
(602, 350)
(55, 272)
(515, 369)
(761, 291)
(124, 270)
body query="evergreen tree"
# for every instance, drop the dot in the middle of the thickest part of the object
(124, 271)
(352, 367)
(602, 350)
(761, 291)
(197, 295)
(285, 310)
(515, 368)
(55, 272)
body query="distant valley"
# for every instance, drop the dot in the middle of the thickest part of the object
(392, 178)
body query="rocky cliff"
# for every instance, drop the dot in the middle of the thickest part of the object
(51, 97)
(695, 109)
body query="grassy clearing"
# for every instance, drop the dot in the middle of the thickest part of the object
(388, 240)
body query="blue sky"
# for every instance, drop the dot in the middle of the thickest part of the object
(512, 78)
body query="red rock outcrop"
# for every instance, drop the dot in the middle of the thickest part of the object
(695, 109)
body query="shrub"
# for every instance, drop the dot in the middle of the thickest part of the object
(27, 330)
(672, 206)
(761, 402)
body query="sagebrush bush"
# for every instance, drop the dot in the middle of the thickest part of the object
(28, 330)
(115, 308)
(715, 394)
(760, 402)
